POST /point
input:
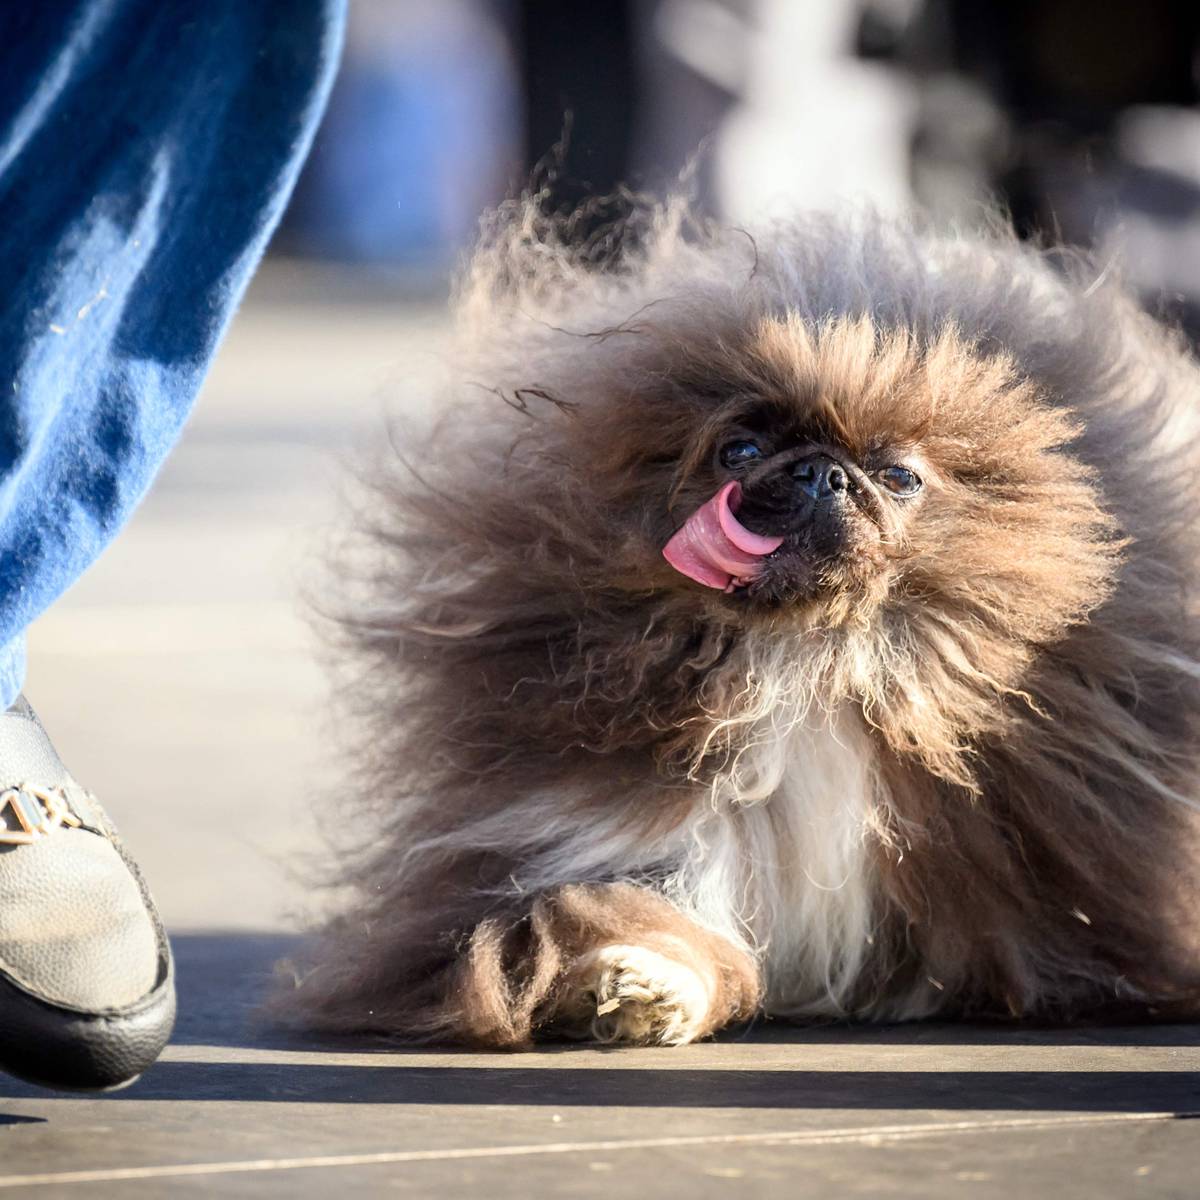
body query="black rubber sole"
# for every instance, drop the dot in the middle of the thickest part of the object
(58, 1048)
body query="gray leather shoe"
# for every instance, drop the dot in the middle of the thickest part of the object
(87, 990)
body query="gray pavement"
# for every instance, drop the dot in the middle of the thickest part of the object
(179, 680)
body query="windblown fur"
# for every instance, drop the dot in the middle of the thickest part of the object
(957, 774)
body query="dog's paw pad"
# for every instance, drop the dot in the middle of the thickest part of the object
(631, 994)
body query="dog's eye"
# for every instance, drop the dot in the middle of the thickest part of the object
(900, 481)
(738, 454)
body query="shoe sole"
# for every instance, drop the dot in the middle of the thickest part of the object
(77, 1051)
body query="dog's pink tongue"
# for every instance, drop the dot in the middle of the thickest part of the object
(714, 548)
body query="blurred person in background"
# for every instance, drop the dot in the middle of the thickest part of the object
(1081, 117)
(420, 137)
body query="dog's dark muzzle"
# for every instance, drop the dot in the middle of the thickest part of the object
(820, 478)
(804, 492)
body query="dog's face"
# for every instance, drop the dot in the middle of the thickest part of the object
(828, 473)
(823, 516)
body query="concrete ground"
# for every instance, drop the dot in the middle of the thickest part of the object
(179, 681)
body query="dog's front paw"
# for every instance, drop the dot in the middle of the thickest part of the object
(640, 996)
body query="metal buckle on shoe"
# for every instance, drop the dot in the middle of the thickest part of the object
(36, 810)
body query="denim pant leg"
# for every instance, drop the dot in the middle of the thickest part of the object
(147, 148)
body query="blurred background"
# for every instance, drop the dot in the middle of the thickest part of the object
(181, 677)
(1079, 116)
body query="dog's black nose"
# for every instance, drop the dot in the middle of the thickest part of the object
(820, 477)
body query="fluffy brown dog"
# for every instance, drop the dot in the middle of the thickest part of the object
(803, 624)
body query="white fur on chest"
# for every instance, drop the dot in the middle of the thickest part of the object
(778, 859)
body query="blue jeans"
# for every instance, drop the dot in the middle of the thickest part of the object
(147, 149)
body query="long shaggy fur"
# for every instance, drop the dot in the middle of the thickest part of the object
(960, 779)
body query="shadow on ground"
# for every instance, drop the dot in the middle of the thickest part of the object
(566, 1087)
(223, 977)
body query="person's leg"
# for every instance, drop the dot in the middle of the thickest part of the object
(147, 148)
